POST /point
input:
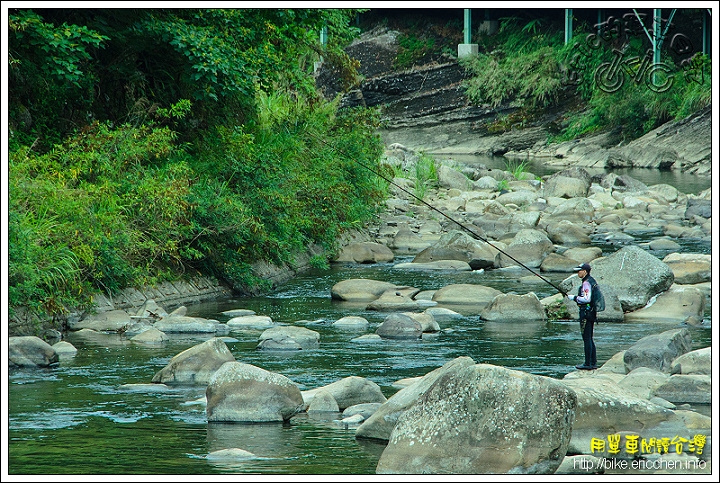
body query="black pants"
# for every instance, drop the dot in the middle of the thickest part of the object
(587, 321)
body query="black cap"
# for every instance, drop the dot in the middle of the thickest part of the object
(583, 266)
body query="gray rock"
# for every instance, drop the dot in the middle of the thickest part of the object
(381, 423)
(150, 336)
(110, 321)
(349, 391)
(64, 349)
(457, 245)
(673, 306)
(365, 252)
(658, 351)
(359, 290)
(365, 410)
(243, 393)
(694, 362)
(323, 402)
(30, 351)
(633, 274)
(351, 322)
(184, 324)
(289, 337)
(681, 388)
(603, 408)
(528, 247)
(396, 299)
(689, 268)
(195, 365)
(399, 326)
(256, 322)
(514, 308)
(465, 294)
(483, 419)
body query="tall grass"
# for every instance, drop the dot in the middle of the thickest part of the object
(426, 176)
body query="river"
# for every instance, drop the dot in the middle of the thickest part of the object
(77, 417)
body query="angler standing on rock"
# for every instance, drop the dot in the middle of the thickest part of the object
(588, 316)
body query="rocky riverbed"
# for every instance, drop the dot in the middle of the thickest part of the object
(630, 409)
(637, 407)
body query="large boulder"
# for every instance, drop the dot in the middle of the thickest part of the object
(382, 422)
(195, 365)
(351, 322)
(689, 268)
(673, 306)
(455, 265)
(642, 381)
(448, 177)
(512, 308)
(289, 337)
(348, 392)
(567, 233)
(396, 299)
(150, 336)
(252, 322)
(483, 419)
(519, 198)
(359, 290)
(460, 246)
(365, 252)
(632, 273)
(30, 351)
(425, 319)
(465, 294)
(658, 351)
(110, 321)
(399, 326)
(576, 210)
(561, 185)
(603, 408)
(407, 241)
(694, 362)
(686, 388)
(184, 324)
(529, 247)
(323, 402)
(243, 393)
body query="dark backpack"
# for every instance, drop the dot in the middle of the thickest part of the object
(597, 299)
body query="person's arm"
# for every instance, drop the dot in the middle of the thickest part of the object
(585, 295)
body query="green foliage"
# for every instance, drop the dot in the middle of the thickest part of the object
(411, 48)
(296, 172)
(634, 109)
(120, 207)
(50, 76)
(516, 168)
(71, 66)
(528, 63)
(533, 78)
(557, 311)
(425, 175)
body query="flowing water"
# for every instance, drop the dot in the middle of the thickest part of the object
(79, 417)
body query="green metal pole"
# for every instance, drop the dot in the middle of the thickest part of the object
(468, 23)
(568, 25)
(657, 37)
(706, 32)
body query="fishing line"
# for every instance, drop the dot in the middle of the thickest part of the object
(471, 232)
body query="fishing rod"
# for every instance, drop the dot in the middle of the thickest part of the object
(461, 225)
